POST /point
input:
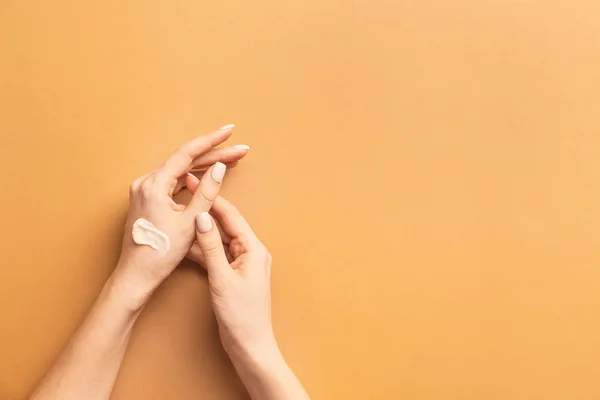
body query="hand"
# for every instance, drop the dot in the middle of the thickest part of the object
(151, 199)
(239, 275)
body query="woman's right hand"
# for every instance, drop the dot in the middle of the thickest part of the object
(239, 275)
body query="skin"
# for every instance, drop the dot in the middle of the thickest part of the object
(238, 272)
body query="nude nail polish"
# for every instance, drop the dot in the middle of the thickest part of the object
(241, 147)
(204, 222)
(218, 172)
(227, 127)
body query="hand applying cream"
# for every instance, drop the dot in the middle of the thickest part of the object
(88, 366)
(160, 232)
(145, 233)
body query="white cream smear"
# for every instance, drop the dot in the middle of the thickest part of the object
(146, 234)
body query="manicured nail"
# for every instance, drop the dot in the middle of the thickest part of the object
(241, 147)
(192, 175)
(204, 222)
(218, 172)
(226, 127)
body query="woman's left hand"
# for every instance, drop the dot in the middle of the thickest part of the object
(141, 268)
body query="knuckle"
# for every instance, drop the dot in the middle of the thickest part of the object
(147, 188)
(210, 248)
(183, 153)
(202, 198)
(135, 186)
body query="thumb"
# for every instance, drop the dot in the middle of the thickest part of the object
(207, 189)
(209, 239)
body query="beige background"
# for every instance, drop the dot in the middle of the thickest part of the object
(425, 173)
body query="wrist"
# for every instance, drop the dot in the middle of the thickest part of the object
(265, 374)
(128, 288)
(257, 347)
(257, 359)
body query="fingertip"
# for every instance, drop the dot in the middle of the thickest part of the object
(193, 176)
(222, 134)
(218, 172)
(191, 182)
(203, 222)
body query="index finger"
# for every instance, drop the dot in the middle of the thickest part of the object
(181, 160)
(231, 220)
(226, 214)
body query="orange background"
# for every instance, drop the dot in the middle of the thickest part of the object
(425, 173)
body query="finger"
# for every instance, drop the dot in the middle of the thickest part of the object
(191, 182)
(195, 254)
(180, 185)
(202, 168)
(181, 160)
(211, 246)
(225, 155)
(225, 238)
(231, 220)
(182, 181)
(227, 215)
(207, 190)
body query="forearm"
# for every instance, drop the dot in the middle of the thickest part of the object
(88, 366)
(267, 376)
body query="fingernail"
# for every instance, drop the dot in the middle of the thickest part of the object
(204, 222)
(192, 175)
(218, 172)
(226, 127)
(241, 147)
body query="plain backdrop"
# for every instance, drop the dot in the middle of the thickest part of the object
(425, 173)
